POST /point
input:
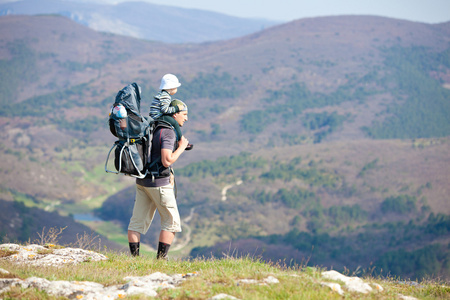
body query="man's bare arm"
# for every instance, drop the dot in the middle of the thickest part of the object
(168, 157)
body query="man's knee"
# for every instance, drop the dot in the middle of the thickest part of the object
(133, 236)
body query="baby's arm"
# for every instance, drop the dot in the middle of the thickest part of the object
(165, 106)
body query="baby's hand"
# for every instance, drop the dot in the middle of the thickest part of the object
(180, 107)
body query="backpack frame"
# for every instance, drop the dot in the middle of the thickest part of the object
(131, 150)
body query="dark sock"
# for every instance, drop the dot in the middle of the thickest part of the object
(134, 248)
(163, 249)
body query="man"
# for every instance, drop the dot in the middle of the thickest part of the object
(156, 192)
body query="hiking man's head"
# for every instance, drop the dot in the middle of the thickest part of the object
(182, 115)
(170, 83)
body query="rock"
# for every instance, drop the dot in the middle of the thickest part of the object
(223, 296)
(336, 287)
(148, 285)
(268, 280)
(353, 284)
(403, 297)
(378, 287)
(248, 281)
(6, 283)
(136, 290)
(70, 289)
(47, 256)
(271, 279)
(145, 285)
(10, 247)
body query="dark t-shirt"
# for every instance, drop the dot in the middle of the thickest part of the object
(163, 138)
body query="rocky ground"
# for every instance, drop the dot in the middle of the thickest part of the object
(145, 285)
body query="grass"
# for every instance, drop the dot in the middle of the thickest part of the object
(214, 276)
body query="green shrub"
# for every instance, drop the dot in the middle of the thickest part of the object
(222, 166)
(311, 175)
(399, 205)
(295, 198)
(344, 214)
(210, 85)
(19, 70)
(438, 224)
(421, 263)
(255, 121)
(423, 106)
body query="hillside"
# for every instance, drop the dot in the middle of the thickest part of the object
(56, 272)
(337, 128)
(336, 204)
(143, 20)
(19, 222)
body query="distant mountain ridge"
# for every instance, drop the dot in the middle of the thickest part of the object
(144, 20)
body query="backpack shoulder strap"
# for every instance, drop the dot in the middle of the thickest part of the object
(164, 124)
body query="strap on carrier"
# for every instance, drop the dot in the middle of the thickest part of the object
(127, 157)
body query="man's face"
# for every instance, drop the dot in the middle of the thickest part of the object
(181, 117)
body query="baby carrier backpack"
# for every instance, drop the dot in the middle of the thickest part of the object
(134, 133)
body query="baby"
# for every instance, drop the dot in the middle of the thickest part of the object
(160, 108)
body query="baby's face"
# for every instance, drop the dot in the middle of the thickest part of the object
(173, 91)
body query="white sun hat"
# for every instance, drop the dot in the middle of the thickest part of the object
(169, 81)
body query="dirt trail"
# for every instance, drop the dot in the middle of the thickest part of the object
(227, 187)
(188, 230)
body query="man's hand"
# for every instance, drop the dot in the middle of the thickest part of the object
(183, 142)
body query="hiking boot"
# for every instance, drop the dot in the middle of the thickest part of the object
(189, 147)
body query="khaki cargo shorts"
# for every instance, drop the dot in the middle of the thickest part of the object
(150, 199)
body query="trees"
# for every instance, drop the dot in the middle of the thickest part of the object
(402, 204)
(422, 105)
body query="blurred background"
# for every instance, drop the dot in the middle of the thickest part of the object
(321, 131)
